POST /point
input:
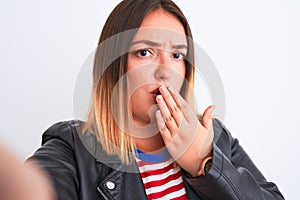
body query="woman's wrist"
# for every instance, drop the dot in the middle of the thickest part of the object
(205, 165)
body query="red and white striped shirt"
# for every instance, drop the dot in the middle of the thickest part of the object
(162, 179)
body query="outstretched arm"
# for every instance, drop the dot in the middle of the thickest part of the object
(22, 182)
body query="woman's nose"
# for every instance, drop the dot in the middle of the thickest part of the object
(163, 69)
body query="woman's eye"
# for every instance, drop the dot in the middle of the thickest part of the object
(178, 56)
(143, 53)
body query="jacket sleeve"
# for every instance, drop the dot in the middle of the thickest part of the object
(57, 158)
(232, 175)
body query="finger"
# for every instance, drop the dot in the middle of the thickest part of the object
(166, 115)
(207, 116)
(184, 107)
(177, 98)
(171, 104)
(165, 133)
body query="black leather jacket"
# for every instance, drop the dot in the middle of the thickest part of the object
(67, 156)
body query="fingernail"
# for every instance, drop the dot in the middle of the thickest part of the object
(163, 90)
(158, 113)
(158, 98)
(213, 108)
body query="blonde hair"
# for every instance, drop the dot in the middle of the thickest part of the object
(110, 65)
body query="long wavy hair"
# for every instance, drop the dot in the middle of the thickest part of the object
(110, 65)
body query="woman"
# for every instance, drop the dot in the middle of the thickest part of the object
(142, 139)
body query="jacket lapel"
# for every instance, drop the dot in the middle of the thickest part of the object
(122, 185)
(123, 181)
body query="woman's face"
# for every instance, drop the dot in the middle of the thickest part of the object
(156, 58)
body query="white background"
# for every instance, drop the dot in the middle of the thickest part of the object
(254, 45)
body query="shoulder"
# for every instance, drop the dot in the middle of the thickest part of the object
(70, 133)
(63, 130)
(222, 136)
(220, 129)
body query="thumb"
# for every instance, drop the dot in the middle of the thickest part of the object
(207, 116)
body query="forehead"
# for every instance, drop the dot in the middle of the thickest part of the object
(162, 19)
(161, 26)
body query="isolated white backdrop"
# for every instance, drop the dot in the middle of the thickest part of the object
(254, 45)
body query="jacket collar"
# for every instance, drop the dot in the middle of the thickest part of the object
(94, 147)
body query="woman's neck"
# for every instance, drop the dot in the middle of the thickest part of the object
(151, 145)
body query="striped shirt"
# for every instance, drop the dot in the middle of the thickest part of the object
(161, 176)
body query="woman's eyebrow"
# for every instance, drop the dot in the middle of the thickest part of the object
(147, 42)
(156, 44)
(180, 46)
